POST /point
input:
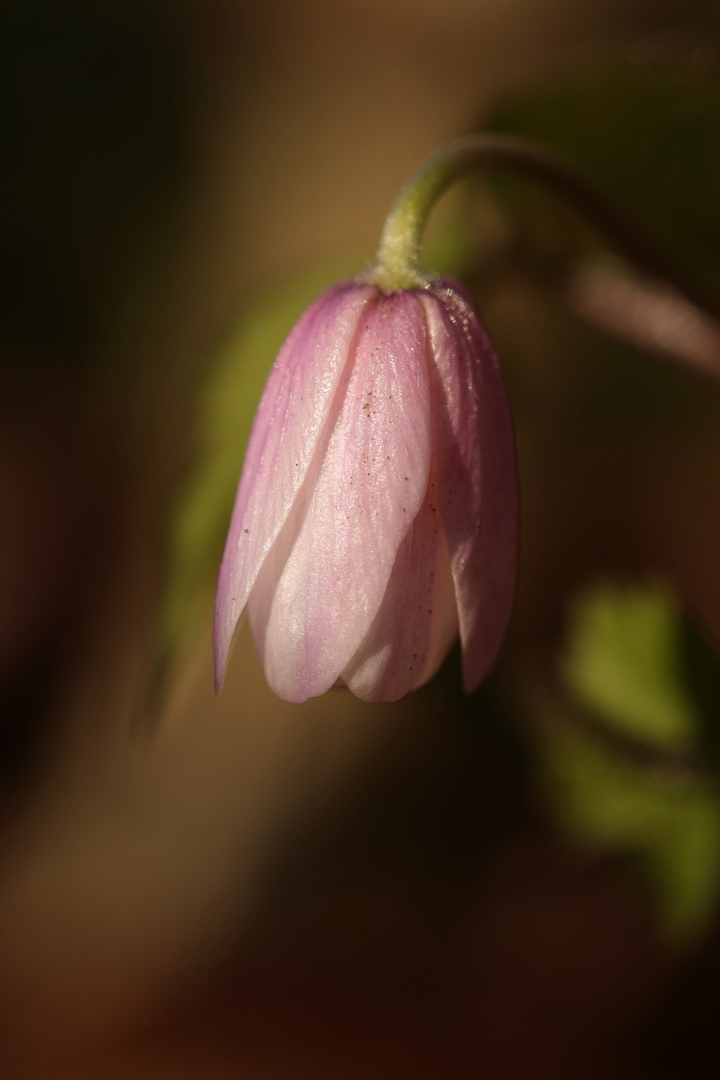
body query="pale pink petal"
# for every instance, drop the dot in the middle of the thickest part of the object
(417, 620)
(290, 421)
(318, 594)
(475, 469)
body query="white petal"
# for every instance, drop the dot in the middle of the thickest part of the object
(290, 421)
(417, 620)
(475, 469)
(317, 596)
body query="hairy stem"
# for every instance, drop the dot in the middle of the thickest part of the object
(397, 260)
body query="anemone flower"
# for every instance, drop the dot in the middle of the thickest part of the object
(377, 508)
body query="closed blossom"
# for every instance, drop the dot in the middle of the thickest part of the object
(376, 514)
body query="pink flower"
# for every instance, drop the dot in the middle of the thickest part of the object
(377, 508)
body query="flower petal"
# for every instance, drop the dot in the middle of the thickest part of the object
(476, 474)
(321, 589)
(290, 421)
(417, 621)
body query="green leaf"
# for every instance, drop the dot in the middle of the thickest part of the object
(618, 751)
(670, 825)
(623, 662)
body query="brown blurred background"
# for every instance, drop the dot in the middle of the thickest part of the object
(193, 886)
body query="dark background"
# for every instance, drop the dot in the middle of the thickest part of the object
(193, 886)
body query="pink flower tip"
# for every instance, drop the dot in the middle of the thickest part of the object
(377, 509)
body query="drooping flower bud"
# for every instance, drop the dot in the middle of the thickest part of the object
(377, 508)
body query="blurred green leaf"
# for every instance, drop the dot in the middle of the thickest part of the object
(671, 825)
(623, 662)
(626, 683)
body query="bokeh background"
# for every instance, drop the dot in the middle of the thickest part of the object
(519, 884)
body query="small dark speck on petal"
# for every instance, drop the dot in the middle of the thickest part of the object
(245, 530)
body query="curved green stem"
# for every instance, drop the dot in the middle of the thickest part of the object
(397, 260)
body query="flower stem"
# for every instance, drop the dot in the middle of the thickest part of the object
(397, 260)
